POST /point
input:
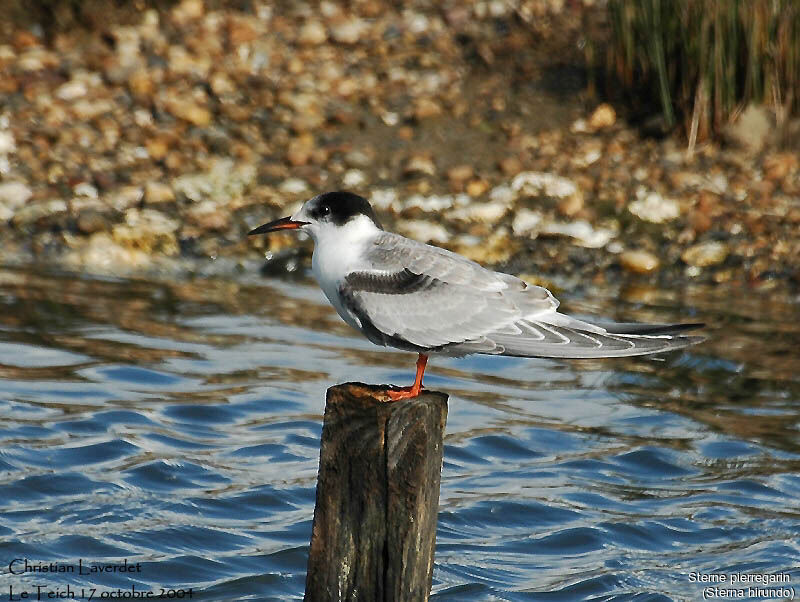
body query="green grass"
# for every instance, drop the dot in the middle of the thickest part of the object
(702, 61)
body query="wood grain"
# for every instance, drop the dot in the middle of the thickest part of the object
(374, 528)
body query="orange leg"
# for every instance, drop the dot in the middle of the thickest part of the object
(413, 390)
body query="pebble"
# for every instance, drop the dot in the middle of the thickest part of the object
(581, 231)
(293, 186)
(33, 212)
(705, 254)
(653, 207)
(384, 199)
(312, 33)
(538, 183)
(525, 221)
(90, 221)
(348, 30)
(354, 178)
(158, 192)
(604, 116)
(13, 195)
(300, 150)
(189, 111)
(510, 165)
(102, 255)
(208, 216)
(487, 213)
(476, 187)
(424, 231)
(72, 90)
(147, 230)
(751, 130)
(571, 205)
(7, 143)
(426, 108)
(498, 248)
(459, 175)
(639, 262)
(360, 158)
(419, 165)
(431, 203)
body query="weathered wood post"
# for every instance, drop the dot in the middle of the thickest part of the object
(380, 467)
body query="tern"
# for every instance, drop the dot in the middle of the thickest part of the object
(416, 297)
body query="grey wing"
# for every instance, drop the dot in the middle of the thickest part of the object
(430, 298)
(423, 298)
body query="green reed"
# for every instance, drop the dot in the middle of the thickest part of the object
(702, 61)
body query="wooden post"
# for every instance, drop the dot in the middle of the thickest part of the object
(380, 466)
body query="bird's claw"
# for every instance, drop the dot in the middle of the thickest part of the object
(404, 393)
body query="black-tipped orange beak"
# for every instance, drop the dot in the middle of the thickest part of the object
(285, 223)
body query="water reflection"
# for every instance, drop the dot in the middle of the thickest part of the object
(177, 424)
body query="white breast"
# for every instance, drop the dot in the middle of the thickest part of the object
(338, 251)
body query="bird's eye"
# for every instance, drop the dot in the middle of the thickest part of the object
(323, 210)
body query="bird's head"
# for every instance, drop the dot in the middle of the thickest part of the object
(332, 214)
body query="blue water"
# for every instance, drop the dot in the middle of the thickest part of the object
(174, 426)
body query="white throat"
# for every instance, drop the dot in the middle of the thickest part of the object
(339, 250)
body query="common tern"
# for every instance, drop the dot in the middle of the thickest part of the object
(412, 296)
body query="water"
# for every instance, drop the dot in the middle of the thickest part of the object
(175, 426)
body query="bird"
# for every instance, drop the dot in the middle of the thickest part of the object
(402, 293)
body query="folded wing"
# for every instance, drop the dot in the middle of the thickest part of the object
(423, 298)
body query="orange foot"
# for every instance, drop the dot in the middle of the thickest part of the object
(404, 393)
(413, 390)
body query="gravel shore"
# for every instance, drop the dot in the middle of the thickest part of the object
(154, 147)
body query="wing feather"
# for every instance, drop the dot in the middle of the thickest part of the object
(423, 298)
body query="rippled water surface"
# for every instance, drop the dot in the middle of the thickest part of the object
(177, 425)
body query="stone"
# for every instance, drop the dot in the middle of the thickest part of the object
(360, 157)
(208, 216)
(510, 166)
(293, 186)
(705, 254)
(423, 231)
(90, 221)
(570, 206)
(158, 192)
(312, 33)
(653, 207)
(186, 11)
(190, 111)
(300, 150)
(581, 231)
(72, 90)
(14, 195)
(425, 108)
(777, 166)
(141, 84)
(476, 187)
(7, 143)
(354, 178)
(147, 230)
(639, 262)
(419, 165)
(752, 129)
(308, 120)
(348, 30)
(525, 221)
(485, 213)
(33, 212)
(157, 147)
(460, 174)
(541, 183)
(604, 116)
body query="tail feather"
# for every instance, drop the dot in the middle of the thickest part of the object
(545, 339)
(649, 329)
